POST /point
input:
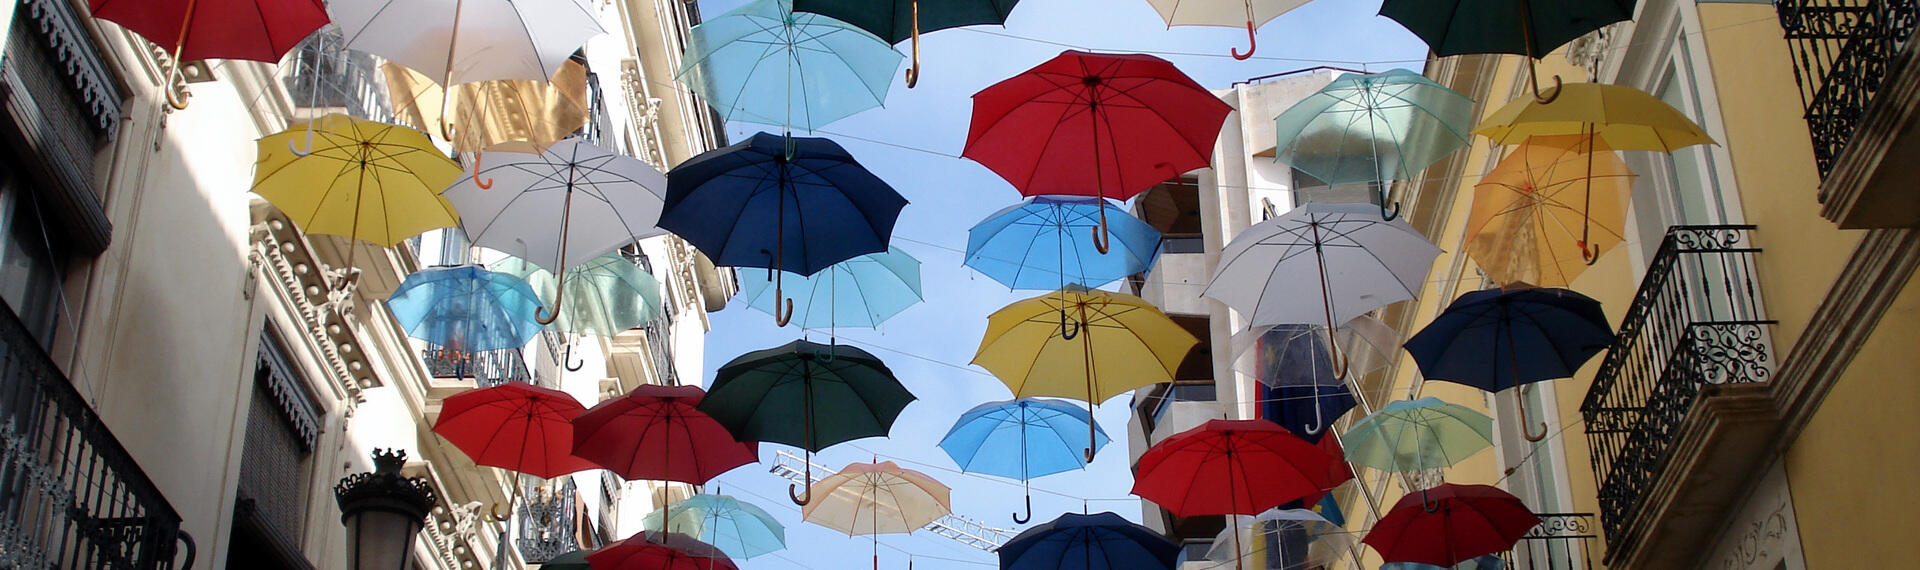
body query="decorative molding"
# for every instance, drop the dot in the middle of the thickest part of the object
(60, 28)
(643, 114)
(284, 384)
(310, 286)
(1590, 51)
(1873, 277)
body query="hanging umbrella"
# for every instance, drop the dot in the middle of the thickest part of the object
(1499, 339)
(1410, 435)
(516, 426)
(860, 292)
(659, 551)
(1036, 245)
(612, 294)
(765, 63)
(489, 114)
(896, 20)
(1045, 434)
(363, 180)
(1228, 13)
(1373, 128)
(1213, 469)
(1087, 542)
(575, 560)
(806, 395)
(738, 528)
(1521, 27)
(462, 41)
(255, 30)
(1523, 210)
(1343, 255)
(1144, 121)
(878, 498)
(1481, 562)
(620, 200)
(742, 206)
(1464, 522)
(1306, 410)
(655, 432)
(1088, 345)
(1323, 540)
(1297, 354)
(465, 308)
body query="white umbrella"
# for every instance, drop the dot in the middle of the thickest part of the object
(1229, 13)
(560, 208)
(1326, 540)
(461, 41)
(1295, 354)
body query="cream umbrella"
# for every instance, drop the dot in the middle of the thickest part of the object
(878, 498)
(462, 41)
(1228, 13)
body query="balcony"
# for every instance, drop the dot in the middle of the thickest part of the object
(70, 495)
(1857, 82)
(1563, 541)
(1680, 411)
(487, 368)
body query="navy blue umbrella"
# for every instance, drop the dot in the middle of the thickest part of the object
(1101, 541)
(1306, 409)
(1498, 339)
(793, 204)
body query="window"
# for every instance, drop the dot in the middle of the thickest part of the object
(275, 480)
(1682, 187)
(31, 260)
(1173, 207)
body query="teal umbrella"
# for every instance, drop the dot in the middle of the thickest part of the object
(765, 63)
(859, 292)
(1373, 128)
(737, 528)
(610, 294)
(465, 308)
(1410, 435)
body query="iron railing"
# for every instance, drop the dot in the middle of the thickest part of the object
(547, 521)
(321, 73)
(70, 495)
(487, 368)
(1841, 52)
(1562, 541)
(1696, 321)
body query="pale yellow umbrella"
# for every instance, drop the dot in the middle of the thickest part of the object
(482, 115)
(1525, 226)
(878, 498)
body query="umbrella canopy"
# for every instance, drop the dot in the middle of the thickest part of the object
(1526, 27)
(575, 560)
(1229, 13)
(1321, 263)
(462, 41)
(1481, 562)
(1088, 345)
(765, 63)
(1624, 117)
(895, 20)
(486, 114)
(1297, 355)
(1304, 539)
(1231, 467)
(466, 308)
(659, 551)
(860, 292)
(256, 30)
(878, 498)
(1525, 210)
(517, 426)
(1022, 439)
(1373, 128)
(736, 527)
(560, 208)
(1497, 339)
(363, 180)
(1461, 523)
(1306, 410)
(610, 293)
(1410, 435)
(1102, 541)
(655, 432)
(1039, 244)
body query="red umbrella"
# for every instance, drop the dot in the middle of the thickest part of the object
(1089, 124)
(1462, 522)
(515, 426)
(257, 30)
(654, 432)
(1337, 472)
(655, 550)
(1232, 467)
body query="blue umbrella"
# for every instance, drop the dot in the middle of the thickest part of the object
(1045, 434)
(1498, 339)
(466, 308)
(1306, 409)
(767, 64)
(1037, 244)
(1102, 541)
(735, 527)
(784, 203)
(859, 292)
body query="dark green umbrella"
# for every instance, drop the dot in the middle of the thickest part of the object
(1522, 27)
(806, 395)
(576, 560)
(895, 20)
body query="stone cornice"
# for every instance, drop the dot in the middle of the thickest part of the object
(1873, 276)
(309, 287)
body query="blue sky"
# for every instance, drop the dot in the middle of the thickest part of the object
(913, 143)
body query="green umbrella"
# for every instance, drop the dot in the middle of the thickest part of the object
(1417, 434)
(895, 20)
(1521, 27)
(1372, 128)
(737, 528)
(611, 294)
(806, 395)
(576, 560)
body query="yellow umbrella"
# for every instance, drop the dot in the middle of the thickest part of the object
(1088, 345)
(878, 498)
(484, 114)
(1525, 210)
(1627, 118)
(364, 180)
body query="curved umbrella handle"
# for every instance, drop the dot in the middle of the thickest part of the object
(1525, 424)
(913, 73)
(494, 514)
(290, 148)
(568, 361)
(483, 184)
(1429, 506)
(1252, 44)
(1017, 519)
(1319, 418)
(1068, 330)
(1101, 239)
(1388, 209)
(174, 99)
(1533, 77)
(782, 306)
(1588, 255)
(798, 498)
(559, 296)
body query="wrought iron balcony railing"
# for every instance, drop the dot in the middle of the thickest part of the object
(487, 368)
(1563, 541)
(1696, 321)
(70, 495)
(1841, 50)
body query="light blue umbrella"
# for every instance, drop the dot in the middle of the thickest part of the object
(1372, 128)
(737, 528)
(859, 292)
(1041, 244)
(765, 63)
(466, 308)
(1022, 439)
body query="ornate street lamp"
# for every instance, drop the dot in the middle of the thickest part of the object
(383, 512)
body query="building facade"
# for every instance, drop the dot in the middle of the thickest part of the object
(187, 375)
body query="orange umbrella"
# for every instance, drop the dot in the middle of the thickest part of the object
(1531, 212)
